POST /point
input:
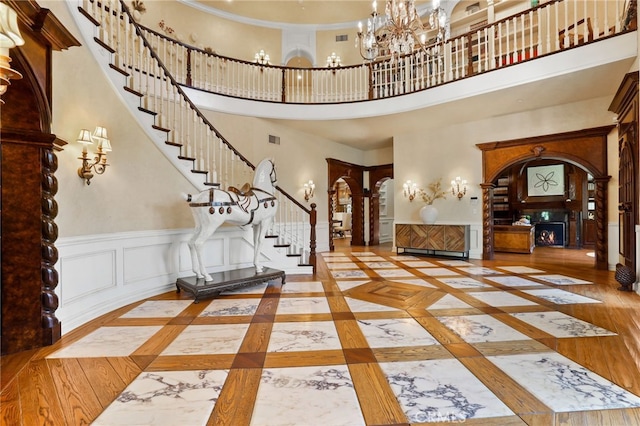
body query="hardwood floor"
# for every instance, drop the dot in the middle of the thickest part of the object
(370, 329)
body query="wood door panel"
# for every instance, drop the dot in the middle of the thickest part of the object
(455, 238)
(419, 236)
(403, 235)
(436, 240)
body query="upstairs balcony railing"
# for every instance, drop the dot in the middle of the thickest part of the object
(546, 29)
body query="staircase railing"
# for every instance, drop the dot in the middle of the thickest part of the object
(198, 141)
(551, 27)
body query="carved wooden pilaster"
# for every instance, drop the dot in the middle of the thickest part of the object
(332, 193)
(602, 261)
(487, 220)
(313, 219)
(51, 329)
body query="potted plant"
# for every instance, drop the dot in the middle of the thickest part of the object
(428, 213)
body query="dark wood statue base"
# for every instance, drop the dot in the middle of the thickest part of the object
(226, 280)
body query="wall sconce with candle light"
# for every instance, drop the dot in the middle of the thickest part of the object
(309, 189)
(459, 187)
(9, 37)
(99, 164)
(410, 189)
(261, 58)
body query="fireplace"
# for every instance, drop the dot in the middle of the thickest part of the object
(549, 234)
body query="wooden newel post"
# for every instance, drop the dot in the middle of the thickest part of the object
(312, 236)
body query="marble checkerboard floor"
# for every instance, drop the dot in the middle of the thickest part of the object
(374, 338)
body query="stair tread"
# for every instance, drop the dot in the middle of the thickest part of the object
(282, 245)
(162, 129)
(202, 172)
(294, 255)
(133, 91)
(148, 111)
(182, 157)
(217, 185)
(120, 70)
(174, 144)
(104, 45)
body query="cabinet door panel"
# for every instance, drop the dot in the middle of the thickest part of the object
(403, 235)
(419, 236)
(455, 238)
(436, 240)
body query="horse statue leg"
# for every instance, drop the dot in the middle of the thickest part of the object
(259, 232)
(206, 226)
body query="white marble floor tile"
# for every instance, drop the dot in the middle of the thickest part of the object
(332, 254)
(389, 273)
(230, 307)
(375, 265)
(479, 270)
(342, 265)
(438, 272)
(303, 305)
(388, 333)
(347, 285)
(481, 328)
(303, 287)
(419, 264)
(441, 391)
(357, 305)
(463, 282)
(371, 258)
(417, 281)
(166, 398)
(449, 302)
(208, 339)
(501, 298)
(512, 281)
(253, 289)
(403, 257)
(560, 279)
(560, 297)
(158, 309)
(521, 269)
(455, 262)
(108, 341)
(303, 336)
(562, 384)
(349, 274)
(562, 325)
(310, 396)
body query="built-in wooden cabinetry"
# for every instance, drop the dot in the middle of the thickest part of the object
(433, 239)
(514, 239)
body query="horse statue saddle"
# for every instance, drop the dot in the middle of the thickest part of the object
(245, 191)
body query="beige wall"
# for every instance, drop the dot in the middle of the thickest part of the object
(225, 37)
(451, 151)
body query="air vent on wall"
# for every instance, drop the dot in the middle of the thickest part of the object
(274, 139)
(342, 37)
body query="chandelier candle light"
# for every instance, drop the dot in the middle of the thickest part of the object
(262, 58)
(309, 189)
(400, 31)
(410, 189)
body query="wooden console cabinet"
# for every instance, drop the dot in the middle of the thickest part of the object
(433, 239)
(514, 239)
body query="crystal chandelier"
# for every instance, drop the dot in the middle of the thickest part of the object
(400, 31)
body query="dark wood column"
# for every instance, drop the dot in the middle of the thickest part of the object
(28, 186)
(487, 220)
(601, 222)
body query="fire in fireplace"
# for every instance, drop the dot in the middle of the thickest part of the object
(549, 234)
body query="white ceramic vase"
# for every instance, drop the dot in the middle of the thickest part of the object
(429, 214)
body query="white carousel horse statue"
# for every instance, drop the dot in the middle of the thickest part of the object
(253, 205)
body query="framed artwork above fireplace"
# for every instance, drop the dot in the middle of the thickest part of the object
(544, 181)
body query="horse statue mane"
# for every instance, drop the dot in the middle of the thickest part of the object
(251, 205)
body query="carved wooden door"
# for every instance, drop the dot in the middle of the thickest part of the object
(627, 199)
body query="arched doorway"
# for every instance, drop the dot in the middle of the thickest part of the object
(379, 202)
(586, 149)
(352, 175)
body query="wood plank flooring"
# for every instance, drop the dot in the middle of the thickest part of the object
(40, 388)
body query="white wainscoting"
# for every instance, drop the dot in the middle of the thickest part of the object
(101, 273)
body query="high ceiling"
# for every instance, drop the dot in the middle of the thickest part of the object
(298, 11)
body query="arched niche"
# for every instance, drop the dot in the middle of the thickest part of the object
(585, 148)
